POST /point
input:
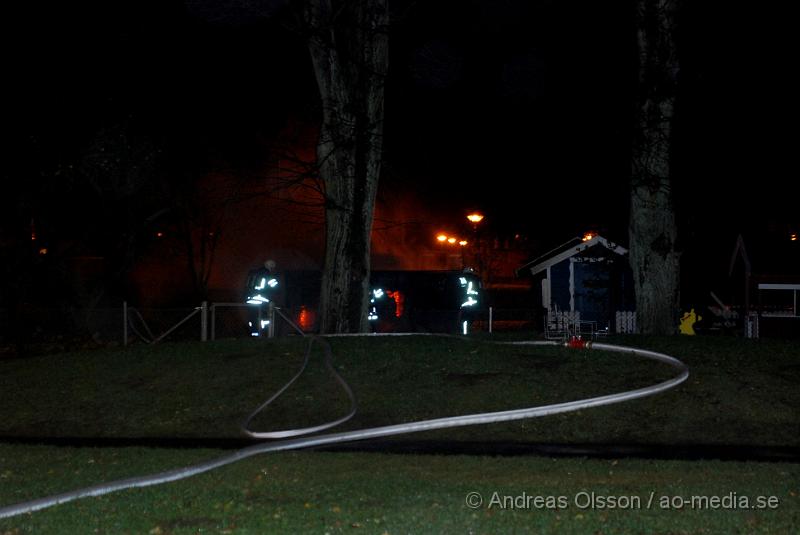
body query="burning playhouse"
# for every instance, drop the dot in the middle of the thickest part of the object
(586, 285)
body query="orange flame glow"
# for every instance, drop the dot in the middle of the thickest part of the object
(305, 319)
(399, 300)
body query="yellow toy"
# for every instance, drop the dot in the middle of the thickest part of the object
(687, 322)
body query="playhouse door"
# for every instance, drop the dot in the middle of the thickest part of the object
(591, 290)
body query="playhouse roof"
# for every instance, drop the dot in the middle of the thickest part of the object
(568, 249)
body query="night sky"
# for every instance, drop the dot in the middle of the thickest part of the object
(520, 109)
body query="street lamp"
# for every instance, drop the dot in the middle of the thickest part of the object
(475, 217)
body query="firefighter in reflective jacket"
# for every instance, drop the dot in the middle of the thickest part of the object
(261, 285)
(468, 312)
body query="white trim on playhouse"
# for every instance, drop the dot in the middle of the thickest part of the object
(541, 265)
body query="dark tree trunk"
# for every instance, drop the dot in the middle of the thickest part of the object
(349, 51)
(653, 234)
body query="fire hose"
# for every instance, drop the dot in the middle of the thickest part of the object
(289, 443)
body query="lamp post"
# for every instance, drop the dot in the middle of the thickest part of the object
(475, 218)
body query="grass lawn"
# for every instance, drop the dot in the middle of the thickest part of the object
(317, 492)
(740, 392)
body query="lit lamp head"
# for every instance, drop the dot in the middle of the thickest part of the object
(475, 218)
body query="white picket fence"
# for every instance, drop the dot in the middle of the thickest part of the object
(625, 322)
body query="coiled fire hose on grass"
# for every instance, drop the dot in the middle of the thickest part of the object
(289, 443)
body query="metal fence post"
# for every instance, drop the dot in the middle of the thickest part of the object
(751, 325)
(204, 321)
(490, 320)
(213, 321)
(271, 316)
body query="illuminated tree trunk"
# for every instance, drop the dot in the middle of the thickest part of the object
(653, 233)
(349, 51)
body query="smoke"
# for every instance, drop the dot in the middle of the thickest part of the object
(404, 233)
(286, 224)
